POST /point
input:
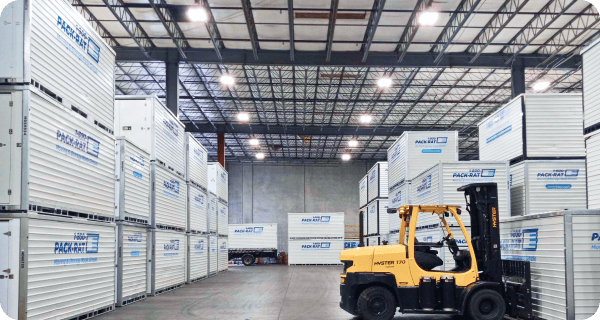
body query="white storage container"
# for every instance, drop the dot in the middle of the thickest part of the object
(439, 184)
(222, 224)
(534, 126)
(262, 236)
(59, 161)
(218, 181)
(399, 197)
(197, 257)
(147, 123)
(197, 210)
(363, 193)
(169, 199)
(315, 251)
(223, 259)
(365, 227)
(61, 268)
(591, 88)
(316, 225)
(564, 251)
(378, 217)
(131, 263)
(212, 212)
(378, 181)
(50, 43)
(213, 253)
(196, 162)
(416, 151)
(168, 260)
(133, 183)
(543, 186)
(592, 145)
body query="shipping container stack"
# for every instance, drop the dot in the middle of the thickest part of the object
(363, 200)
(315, 238)
(377, 196)
(197, 228)
(218, 184)
(57, 163)
(148, 124)
(591, 121)
(541, 136)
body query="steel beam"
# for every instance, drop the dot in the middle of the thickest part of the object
(172, 27)
(135, 30)
(411, 29)
(331, 29)
(251, 27)
(372, 27)
(517, 81)
(172, 86)
(291, 27)
(454, 25)
(213, 31)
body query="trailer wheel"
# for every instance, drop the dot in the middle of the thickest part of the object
(486, 305)
(248, 259)
(376, 303)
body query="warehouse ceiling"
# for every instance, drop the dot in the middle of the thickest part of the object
(305, 100)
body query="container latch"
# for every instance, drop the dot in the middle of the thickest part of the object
(9, 233)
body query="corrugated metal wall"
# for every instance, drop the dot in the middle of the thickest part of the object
(170, 199)
(223, 254)
(593, 170)
(132, 271)
(501, 134)
(133, 181)
(169, 259)
(363, 194)
(591, 85)
(198, 256)
(197, 209)
(196, 162)
(212, 212)
(316, 225)
(378, 181)
(315, 251)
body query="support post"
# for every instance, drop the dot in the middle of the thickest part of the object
(517, 80)
(361, 235)
(221, 148)
(172, 79)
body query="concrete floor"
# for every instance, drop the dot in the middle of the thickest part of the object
(262, 292)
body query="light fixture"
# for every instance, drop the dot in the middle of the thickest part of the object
(260, 156)
(346, 157)
(366, 118)
(253, 142)
(197, 14)
(227, 80)
(542, 85)
(384, 82)
(428, 18)
(243, 116)
(352, 143)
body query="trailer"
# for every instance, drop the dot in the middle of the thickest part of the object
(252, 241)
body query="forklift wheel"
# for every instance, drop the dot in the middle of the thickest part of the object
(376, 303)
(248, 259)
(487, 305)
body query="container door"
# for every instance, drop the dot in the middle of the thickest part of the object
(4, 266)
(5, 144)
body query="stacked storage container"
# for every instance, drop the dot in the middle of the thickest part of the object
(535, 132)
(315, 238)
(400, 197)
(377, 216)
(218, 184)
(213, 252)
(57, 158)
(363, 197)
(591, 122)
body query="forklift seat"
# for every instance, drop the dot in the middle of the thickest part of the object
(427, 261)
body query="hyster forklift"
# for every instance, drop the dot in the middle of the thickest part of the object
(379, 280)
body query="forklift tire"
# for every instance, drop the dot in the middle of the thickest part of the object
(486, 304)
(376, 303)
(248, 259)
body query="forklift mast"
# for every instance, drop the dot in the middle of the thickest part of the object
(482, 205)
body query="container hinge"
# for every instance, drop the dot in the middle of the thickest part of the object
(6, 270)
(19, 144)
(8, 233)
(10, 103)
(9, 131)
(9, 192)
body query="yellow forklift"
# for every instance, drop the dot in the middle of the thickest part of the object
(378, 281)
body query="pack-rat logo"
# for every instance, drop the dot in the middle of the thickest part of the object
(172, 185)
(199, 245)
(173, 245)
(596, 239)
(172, 126)
(199, 198)
(82, 243)
(425, 184)
(316, 220)
(136, 237)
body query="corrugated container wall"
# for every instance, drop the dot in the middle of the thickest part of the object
(564, 251)
(592, 144)
(549, 123)
(50, 43)
(196, 162)
(416, 151)
(169, 199)
(218, 181)
(223, 254)
(65, 162)
(316, 225)
(363, 194)
(223, 217)
(315, 251)
(197, 257)
(378, 217)
(147, 123)
(378, 181)
(253, 236)
(132, 190)
(197, 209)
(543, 186)
(398, 198)
(63, 256)
(212, 212)
(591, 88)
(131, 263)
(213, 254)
(168, 260)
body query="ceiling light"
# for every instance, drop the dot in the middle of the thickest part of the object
(260, 156)
(542, 85)
(384, 82)
(352, 143)
(196, 14)
(366, 118)
(346, 157)
(243, 116)
(428, 18)
(253, 142)
(227, 80)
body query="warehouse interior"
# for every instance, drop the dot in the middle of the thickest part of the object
(236, 159)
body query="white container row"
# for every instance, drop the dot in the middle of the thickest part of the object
(196, 162)
(591, 87)
(168, 201)
(399, 197)
(534, 126)
(253, 236)
(363, 191)
(378, 181)
(416, 151)
(49, 43)
(60, 162)
(218, 181)
(543, 186)
(316, 225)
(315, 251)
(148, 124)
(377, 217)
(592, 145)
